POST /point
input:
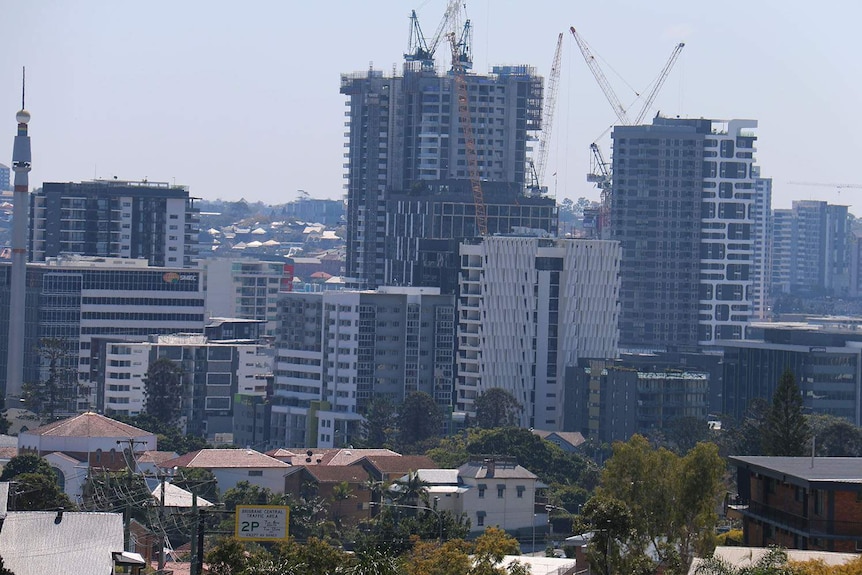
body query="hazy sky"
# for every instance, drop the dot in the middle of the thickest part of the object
(240, 99)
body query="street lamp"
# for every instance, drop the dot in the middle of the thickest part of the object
(550, 508)
(404, 505)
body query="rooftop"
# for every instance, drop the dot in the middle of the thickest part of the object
(88, 425)
(813, 470)
(223, 458)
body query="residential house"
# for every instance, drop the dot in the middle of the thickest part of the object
(801, 502)
(388, 468)
(59, 542)
(565, 440)
(74, 445)
(343, 487)
(230, 466)
(491, 491)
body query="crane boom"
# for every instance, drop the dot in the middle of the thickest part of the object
(660, 82)
(449, 15)
(611, 96)
(467, 129)
(548, 111)
(826, 185)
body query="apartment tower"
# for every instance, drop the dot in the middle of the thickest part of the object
(684, 212)
(405, 143)
(155, 221)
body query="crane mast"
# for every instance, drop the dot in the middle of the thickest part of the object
(460, 84)
(548, 112)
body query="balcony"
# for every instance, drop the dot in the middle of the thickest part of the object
(808, 526)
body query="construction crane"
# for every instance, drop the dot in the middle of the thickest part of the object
(608, 91)
(659, 82)
(460, 83)
(610, 95)
(537, 167)
(600, 174)
(839, 187)
(421, 49)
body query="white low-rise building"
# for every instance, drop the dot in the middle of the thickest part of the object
(230, 466)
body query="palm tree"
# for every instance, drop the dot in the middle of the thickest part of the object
(341, 492)
(412, 490)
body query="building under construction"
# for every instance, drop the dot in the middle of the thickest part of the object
(407, 146)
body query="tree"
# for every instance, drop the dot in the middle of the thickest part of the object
(163, 390)
(497, 408)
(685, 432)
(835, 436)
(669, 499)
(169, 435)
(774, 562)
(413, 490)
(341, 494)
(419, 418)
(378, 423)
(58, 385)
(200, 481)
(26, 463)
(39, 492)
(785, 431)
(431, 558)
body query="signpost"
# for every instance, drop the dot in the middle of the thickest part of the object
(262, 522)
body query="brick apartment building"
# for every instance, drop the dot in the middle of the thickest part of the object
(801, 502)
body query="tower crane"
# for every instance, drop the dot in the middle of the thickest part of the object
(608, 91)
(421, 49)
(600, 172)
(538, 167)
(659, 82)
(460, 84)
(838, 187)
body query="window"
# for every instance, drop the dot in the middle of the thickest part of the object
(501, 490)
(521, 490)
(480, 518)
(255, 473)
(482, 488)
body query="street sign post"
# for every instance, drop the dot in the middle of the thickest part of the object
(262, 522)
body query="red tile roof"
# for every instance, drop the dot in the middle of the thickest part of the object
(88, 425)
(399, 463)
(222, 458)
(156, 457)
(336, 473)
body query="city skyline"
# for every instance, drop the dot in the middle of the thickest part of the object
(167, 92)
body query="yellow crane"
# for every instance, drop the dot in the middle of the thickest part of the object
(460, 83)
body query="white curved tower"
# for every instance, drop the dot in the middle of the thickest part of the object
(21, 168)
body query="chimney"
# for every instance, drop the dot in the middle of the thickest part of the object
(490, 466)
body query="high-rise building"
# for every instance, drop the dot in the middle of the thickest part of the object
(761, 290)
(244, 288)
(335, 351)
(683, 210)
(5, 175)
(405, 134)
(213, 373)
(529, 307)
(826, 360)
(811, 249)
(109, 218)
(71, 301)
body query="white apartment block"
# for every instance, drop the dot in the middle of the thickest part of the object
(728, 231)
(335, 351)
(243, 288)
(213, 372)
(762, 215)
(528, 308)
